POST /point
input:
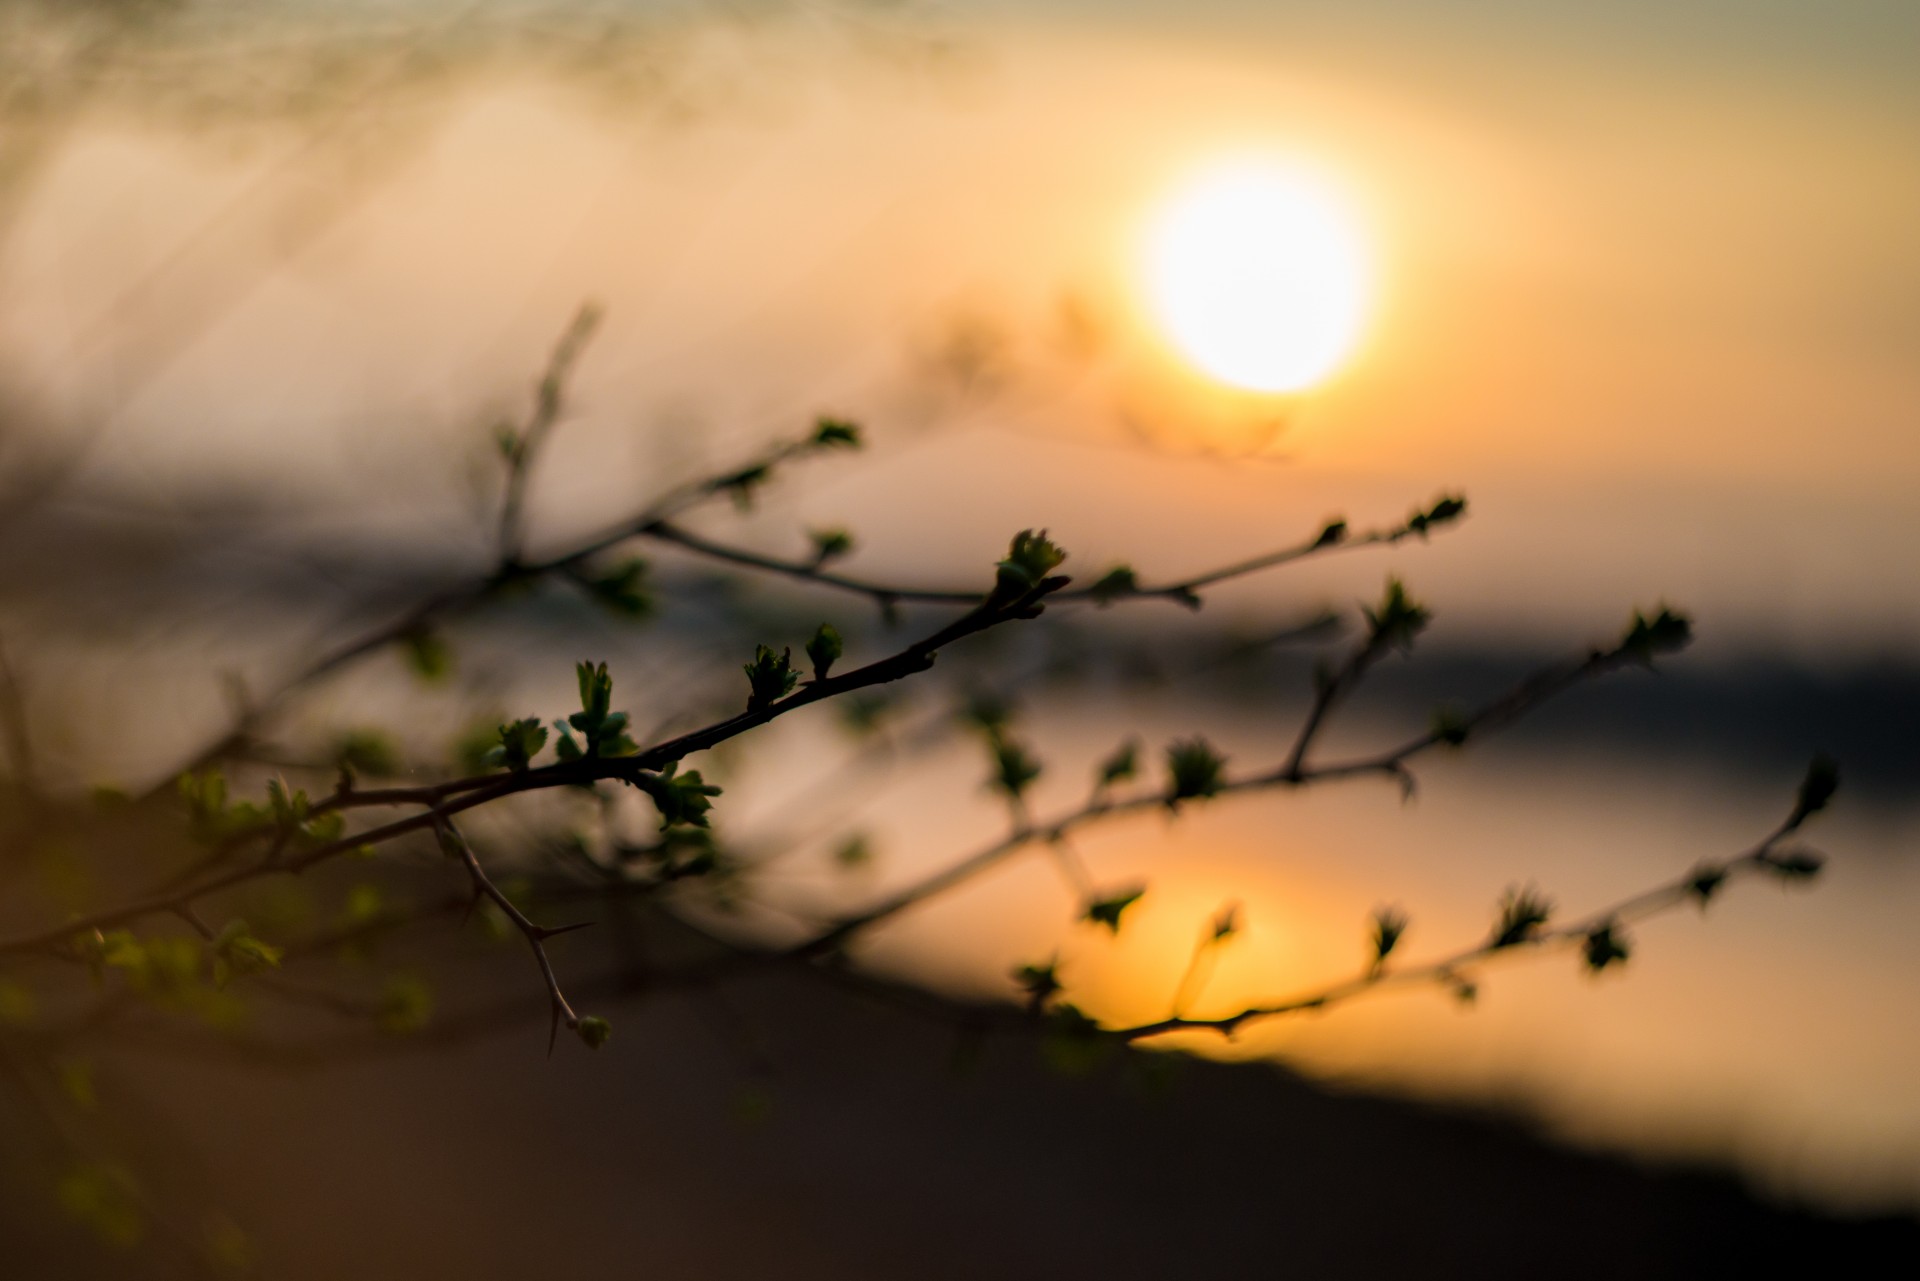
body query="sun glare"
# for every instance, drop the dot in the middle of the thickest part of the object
(1258, 272)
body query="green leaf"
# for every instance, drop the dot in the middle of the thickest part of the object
(1334, 531)
(1225, 924)
(428, 655)
(365, 902)
(1108, 911)
(1706, 882)
(206, 800)
(236, 953)
(367, 751)
(1041, 983)
(1397, 619)
(1816, 789)
(742, 484)
(469, 749)
(406, 1004)
(830, 544)
(1666, 632)
(594, 1031)
(1014, 770)
(832, 433)
(1450, 726)
(603, 731)
(1114, 584)
(682, 799)
(1194, 769)
(1389, 926)
(1030, 558)
(289, 807)
(1445, 510)
(520, 742)
(1122, 765)
(824, 650)
(988, 711)
(770, 677)
(596, 688)
(621, 588)
(1604, 946)
(1522, 912)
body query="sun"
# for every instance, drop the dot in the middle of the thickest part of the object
(1259, 272)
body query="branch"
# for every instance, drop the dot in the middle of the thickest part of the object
(509, 570)
(591, 1030)
(1117, 584)
(1599, 931)
(1634, 650)
(444, 800)
(521, 448)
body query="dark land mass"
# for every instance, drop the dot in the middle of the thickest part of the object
(790, 1127)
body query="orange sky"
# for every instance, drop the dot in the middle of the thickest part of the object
(1659, 325)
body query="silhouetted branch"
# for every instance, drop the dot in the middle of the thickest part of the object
(1632, 651)
(1116, 585)
(1600, 932)
(592, 1031)
(442, 801)
(520, 448)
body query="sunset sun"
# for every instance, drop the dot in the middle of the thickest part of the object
(1259, 274)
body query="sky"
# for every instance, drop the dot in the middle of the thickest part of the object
(1648, 292)
(1645, 281)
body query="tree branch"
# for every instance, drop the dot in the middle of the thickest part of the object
(1696, 886)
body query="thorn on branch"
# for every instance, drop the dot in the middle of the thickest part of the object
(592, 1031)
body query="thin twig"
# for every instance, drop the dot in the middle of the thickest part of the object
(443, 801)
(1391, 764)
(1183, 591)
(1449, 969)
(536, 935)
(522, 448)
